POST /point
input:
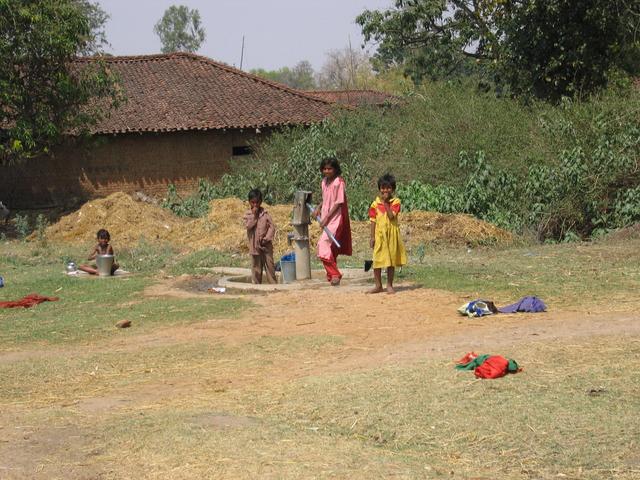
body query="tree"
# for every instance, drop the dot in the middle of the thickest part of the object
(44, 93)
(567, 48)
(544, 48)
(180, 30)
(300, 77)
(97, 38)
(346, 69)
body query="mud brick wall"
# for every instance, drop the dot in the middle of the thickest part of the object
(130, 162)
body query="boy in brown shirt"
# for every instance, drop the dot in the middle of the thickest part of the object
(260, 232)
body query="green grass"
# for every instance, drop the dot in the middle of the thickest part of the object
(195, 262)
(88, 308)
(566, 274)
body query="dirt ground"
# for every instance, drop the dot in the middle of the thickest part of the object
(384, 329)
(377, 330)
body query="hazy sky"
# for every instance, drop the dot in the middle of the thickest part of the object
(277, 33)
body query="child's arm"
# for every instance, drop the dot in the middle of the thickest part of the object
(373, 212)
(250, 220)
(330, 215)
(392, 209)
(94, 252)
(390, 213)
(271, 230)
(372, 239)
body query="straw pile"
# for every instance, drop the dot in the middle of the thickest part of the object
(223, 229)
(128, 221)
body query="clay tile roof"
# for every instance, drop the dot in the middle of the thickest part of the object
(183, 91)
(355, 98)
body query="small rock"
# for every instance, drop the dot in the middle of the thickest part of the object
(123, 324)
(596, 392)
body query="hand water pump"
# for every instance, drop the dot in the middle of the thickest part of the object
(300, 239)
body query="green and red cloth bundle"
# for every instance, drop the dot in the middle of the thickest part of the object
(487, 366)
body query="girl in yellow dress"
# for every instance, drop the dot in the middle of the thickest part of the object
(388, 249)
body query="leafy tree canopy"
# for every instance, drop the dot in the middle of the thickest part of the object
(544, 48)
(43, 94)
(301, 76)
(180, 30)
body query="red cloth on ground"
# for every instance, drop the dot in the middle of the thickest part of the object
(493, 367)
(28, 301)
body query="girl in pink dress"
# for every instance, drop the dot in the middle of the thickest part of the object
(334, 214)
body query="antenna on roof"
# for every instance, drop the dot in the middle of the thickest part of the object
(242, 52)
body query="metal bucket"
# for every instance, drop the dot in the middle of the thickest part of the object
(104, 264)
(288, 268)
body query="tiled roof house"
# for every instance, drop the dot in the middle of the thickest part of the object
(186, 117)
(183, 91)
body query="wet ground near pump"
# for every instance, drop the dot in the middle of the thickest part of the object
(238, 282)
(203, 284)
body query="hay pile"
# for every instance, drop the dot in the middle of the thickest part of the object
(128, 221)
(223, 229)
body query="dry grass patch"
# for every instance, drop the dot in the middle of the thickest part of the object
(570, 414)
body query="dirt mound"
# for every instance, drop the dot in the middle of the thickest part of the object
(425, 227)
(628, 233)
(128, 221)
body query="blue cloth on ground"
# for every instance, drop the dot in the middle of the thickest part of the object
(477, 308)
(525, 304)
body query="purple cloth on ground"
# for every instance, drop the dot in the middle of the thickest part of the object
(525, 304)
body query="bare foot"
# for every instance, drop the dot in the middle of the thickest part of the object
(390, 289)
(375, 290)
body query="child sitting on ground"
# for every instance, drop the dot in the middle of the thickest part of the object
(388, 250)
(102, 248)
(260, 232)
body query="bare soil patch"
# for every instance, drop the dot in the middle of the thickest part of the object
(379, 329)
(38, 451)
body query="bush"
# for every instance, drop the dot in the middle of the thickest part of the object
(41, 226)
(565, 171)
(22, 226)
(281, 179)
